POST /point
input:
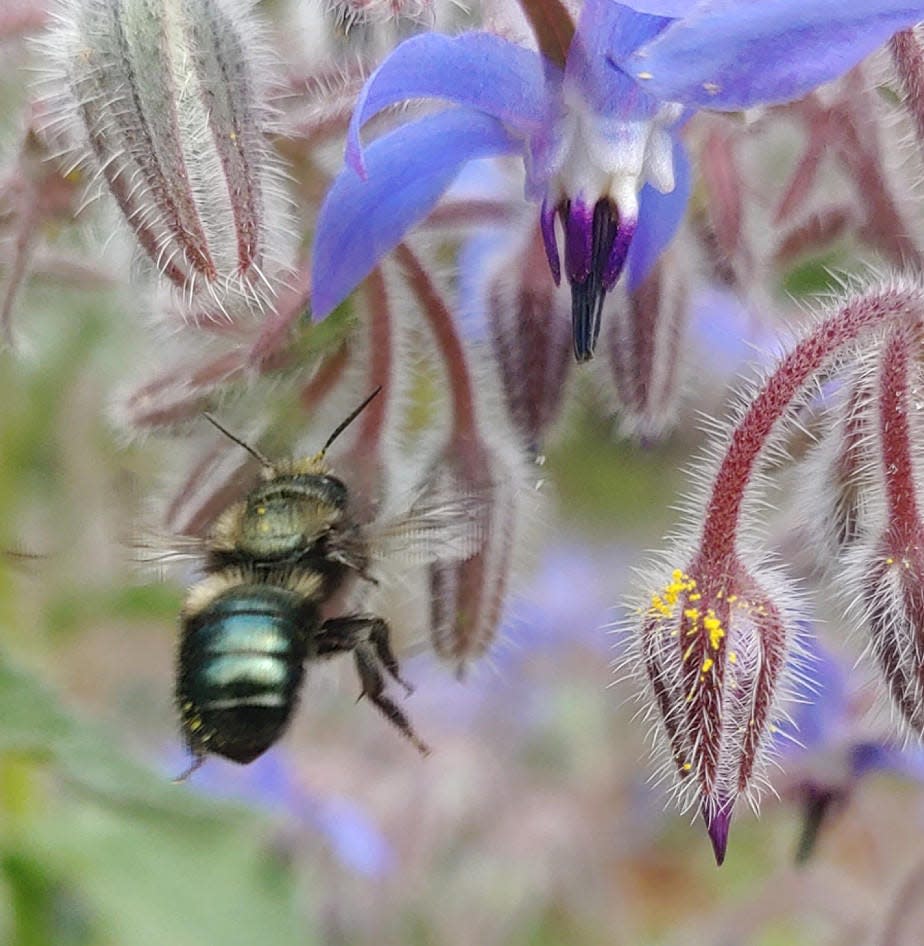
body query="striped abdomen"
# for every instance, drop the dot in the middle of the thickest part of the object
(241, 665)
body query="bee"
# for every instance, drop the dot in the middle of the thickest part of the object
(270, 564)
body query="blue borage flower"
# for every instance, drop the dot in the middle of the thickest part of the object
(599, 135)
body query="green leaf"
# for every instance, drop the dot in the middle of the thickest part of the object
(147, 861)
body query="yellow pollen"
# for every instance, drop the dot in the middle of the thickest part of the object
(732, 657)
(696, 596)
(707, 665)
(714, 628)
(687, 766)
(688, 651)
(691, 613)
(890, 560)
(664, 602)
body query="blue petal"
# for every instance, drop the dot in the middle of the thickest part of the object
(747, 52)
(671, 8)
(659, 215)
(479, 70)
(607, 29)
(409, 169)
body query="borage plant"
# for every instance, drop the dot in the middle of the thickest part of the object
(717, 637)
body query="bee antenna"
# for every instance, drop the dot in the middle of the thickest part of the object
(346, 423)
(241, 443)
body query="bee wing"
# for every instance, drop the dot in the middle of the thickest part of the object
(152, 550)
(434, 528)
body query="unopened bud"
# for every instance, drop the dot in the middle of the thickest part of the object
(892, 591)
(531, 333)
(839, 474)
(467, 596)
(713, 649)
(167, 100)
(645, 344)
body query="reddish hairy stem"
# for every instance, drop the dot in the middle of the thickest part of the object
(895, 435)
(437, 314)
(380, 358)
(553, 27)
(749, 438)
(909, 64)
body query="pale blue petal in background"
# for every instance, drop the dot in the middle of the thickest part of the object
(271, 784)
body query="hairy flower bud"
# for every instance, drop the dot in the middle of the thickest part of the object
(168, 105)
(892, 591)
(838, 478)
(714, 648)
(889, 574)
(531, 336)
(645, 347)
(467, 595)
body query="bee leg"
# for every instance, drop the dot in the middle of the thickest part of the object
(380, 640)
(341, 634)
(367, 666)
(196, 763)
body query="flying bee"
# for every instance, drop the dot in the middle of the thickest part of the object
(271, 563)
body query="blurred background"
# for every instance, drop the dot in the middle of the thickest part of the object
(533, 821)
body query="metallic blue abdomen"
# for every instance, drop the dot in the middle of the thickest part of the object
(241, 665)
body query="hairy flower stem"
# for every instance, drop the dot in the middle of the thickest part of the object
(895, 437)
(381, 366)
(908, 56)
(857, 317)
(455, 362)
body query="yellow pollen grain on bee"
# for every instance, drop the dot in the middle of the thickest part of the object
(261, 510)
(890, 561)
(707, 665)
(688, 651)
(691, 613)
(732, 599)
(732, 657)
(696, 596)
(687, 766)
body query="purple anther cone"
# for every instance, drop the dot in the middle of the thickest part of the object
(550, 240)
(578, 218)
(595, 252)
(625, 230)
